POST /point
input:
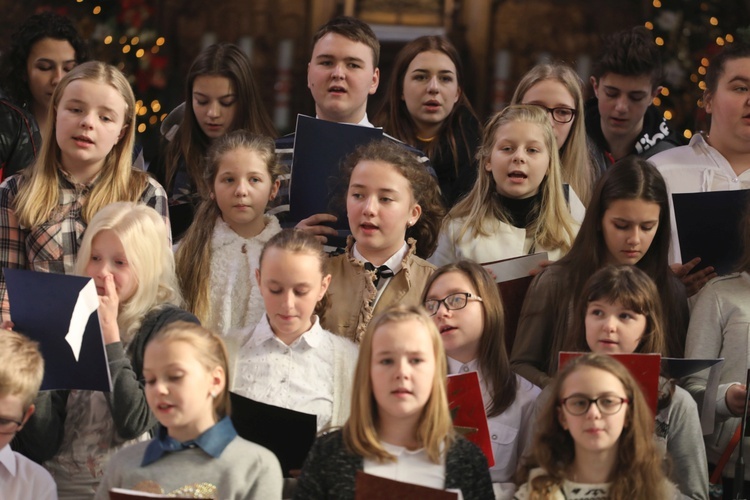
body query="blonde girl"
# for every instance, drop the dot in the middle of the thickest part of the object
(394, 212)
(292, 277)
(219, 254)
(557, 88)
(400, 426)
(517, 205)
(620, 312)
(595, 433)
(185, 368)
(85, 164)
(465, 305)
(126, 252)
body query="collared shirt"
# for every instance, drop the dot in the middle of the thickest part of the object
(394, 263)
(213, 441)
(411, 466)
(22, 479)
(298, 377)
(53, 246)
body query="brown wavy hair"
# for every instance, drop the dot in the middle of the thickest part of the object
(638, 470)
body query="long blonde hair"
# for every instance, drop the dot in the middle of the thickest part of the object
(39, 192)
(552, 228)
(435, 428)
(578, 169)
(144, 238)
(194, 254)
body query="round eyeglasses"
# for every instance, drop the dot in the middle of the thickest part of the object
(560, 115)
(9, 426)
(452, 302)
(579, 405)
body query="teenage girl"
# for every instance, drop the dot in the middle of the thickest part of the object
(222, 96)
(196, 449)
(43, 50)
(595, 434)
(517, 205)
(394, 211)
(720, 328)
(626, 223)
(218, 256)
(620, 313)
(85, 164)
(293, 280)
(466, 307)
(126, 251)
(426, 106)
(557, 88)
(400, 427)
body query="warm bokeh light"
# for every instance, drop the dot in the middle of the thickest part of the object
(659, 41)
(141, 128)
(97, 10)
(160, 41)
(649, 25)
(657, 101)
(135, 40)
(713, 21)
(668, 114)
(705, 61)
(664, 91)
(126, 49)
(139, 53)
(107, 39)
(719, 41)
(687, 134)
(702, 70)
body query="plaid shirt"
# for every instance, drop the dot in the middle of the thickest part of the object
(53, 246)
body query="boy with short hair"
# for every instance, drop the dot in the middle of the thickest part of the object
(341, 75)
(21, 372)
(621, 119)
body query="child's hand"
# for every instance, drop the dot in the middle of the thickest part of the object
(109, 305)
(542, 266)
(314, 225)
(693, 282)
(7, 325)
(735, 399)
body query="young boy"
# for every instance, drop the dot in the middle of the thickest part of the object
(620, 119)
(21, 372)
(341, 75)
(720, 160)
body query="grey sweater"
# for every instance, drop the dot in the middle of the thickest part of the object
(244, 470)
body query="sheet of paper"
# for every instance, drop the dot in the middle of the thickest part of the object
(517, 267)
(87, 303)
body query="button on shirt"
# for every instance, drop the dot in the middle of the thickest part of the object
(297, 377)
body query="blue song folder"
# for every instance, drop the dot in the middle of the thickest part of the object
(60, 312)
(319, 148)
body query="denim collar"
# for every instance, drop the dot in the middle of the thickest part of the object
(213, 442)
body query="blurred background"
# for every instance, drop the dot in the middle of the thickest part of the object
(154, 42)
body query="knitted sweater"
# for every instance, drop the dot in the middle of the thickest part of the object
(330, 469)
(244, 470)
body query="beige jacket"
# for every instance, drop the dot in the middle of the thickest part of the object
(352, 291)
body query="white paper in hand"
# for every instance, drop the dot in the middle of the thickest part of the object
(87, 303)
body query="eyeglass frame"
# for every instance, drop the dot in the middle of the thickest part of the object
(623, 401)
(468, 295)
(11, 421)
(551, 111)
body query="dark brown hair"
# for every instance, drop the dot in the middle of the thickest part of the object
(630, 52)
(353, 29)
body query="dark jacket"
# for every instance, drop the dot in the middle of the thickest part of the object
(655, 137)
(20, 139)
(330, 469)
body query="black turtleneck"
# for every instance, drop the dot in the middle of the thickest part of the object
(519, 210)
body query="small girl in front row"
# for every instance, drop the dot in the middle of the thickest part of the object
(400, 427)
(394, 210)
(85, 163)
(73, 433)
(517, 205)
(289, 360)
(595, 438)
(620, 313)
(471, 325)
(218, 256)
(197, 453)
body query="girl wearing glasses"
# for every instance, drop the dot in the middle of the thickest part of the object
(425, 106)
(517, 205)
(620, 313)
(559, 90)
(595, 433)
(465, 305)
